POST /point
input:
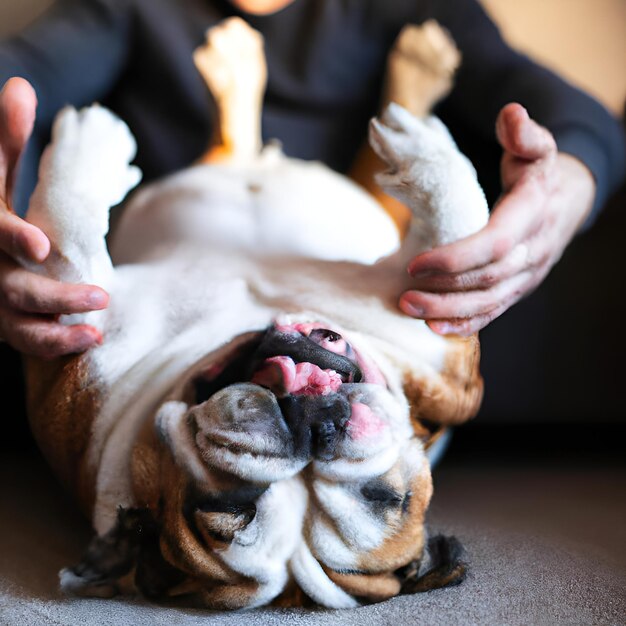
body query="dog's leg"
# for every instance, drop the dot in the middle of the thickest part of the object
(83, 172)
(429, 174)
(420, 69)
(426, 173)
(232, 63)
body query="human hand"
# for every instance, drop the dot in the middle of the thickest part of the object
(463, 286)
(31, 304)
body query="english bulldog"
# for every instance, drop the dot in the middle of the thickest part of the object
(254, 427)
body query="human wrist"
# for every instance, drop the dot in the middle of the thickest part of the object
(578, 182)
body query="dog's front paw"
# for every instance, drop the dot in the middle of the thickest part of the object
(90, 154)
(428, 173)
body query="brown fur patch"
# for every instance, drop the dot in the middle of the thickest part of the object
(224, 597)
(455, 395)
(407, 542)
(373, 587)
(63, 401)
(145, 467)
(219, 587)
(179, 545)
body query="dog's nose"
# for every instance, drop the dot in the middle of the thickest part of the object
(315, 423)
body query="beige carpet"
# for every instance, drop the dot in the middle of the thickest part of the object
(547, 546)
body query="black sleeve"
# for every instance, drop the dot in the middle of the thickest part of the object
(492, 75)
(72, 55)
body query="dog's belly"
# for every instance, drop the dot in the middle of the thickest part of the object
(274, 204)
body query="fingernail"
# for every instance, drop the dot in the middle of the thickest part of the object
(413, 309)
(85, 340)
(443, 328)
(98, 299)
(522, 109)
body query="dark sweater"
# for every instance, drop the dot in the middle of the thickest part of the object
(326, 60)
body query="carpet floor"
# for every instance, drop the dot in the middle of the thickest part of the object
(546, 545)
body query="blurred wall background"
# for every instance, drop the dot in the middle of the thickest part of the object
(583, 40)
(14, 14)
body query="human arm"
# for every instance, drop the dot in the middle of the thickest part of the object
(552, 182)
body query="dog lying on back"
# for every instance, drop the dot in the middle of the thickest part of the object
(254, 427)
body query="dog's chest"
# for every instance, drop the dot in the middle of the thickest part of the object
(217, 251)
(272, 204)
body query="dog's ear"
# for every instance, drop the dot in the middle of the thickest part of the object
(132, 543)
(442, 565)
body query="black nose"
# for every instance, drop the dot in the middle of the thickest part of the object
(315, 423)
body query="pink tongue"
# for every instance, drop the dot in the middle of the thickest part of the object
(283, 376)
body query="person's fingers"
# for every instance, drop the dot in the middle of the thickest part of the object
(441, 306)
(516, 218)
(466, 327)
(44, 337)
(19, 239)
(24, 291)
(18, 104)
(521, 136)
(482, 278)
(470, 325)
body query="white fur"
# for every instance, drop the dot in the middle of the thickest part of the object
(315, 583)
(170, 424)
(262, 550)
(274, 204)
(355, 527)
(83, 172)
(430, 175)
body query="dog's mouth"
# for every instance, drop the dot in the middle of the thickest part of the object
(291, 360)
(293, 391)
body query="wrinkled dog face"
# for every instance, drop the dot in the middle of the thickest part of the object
(288, 459)
(297, 437)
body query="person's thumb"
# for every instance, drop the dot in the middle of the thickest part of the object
(18, 103)
(521, 136)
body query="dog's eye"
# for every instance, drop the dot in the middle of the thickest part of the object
(381, 494)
